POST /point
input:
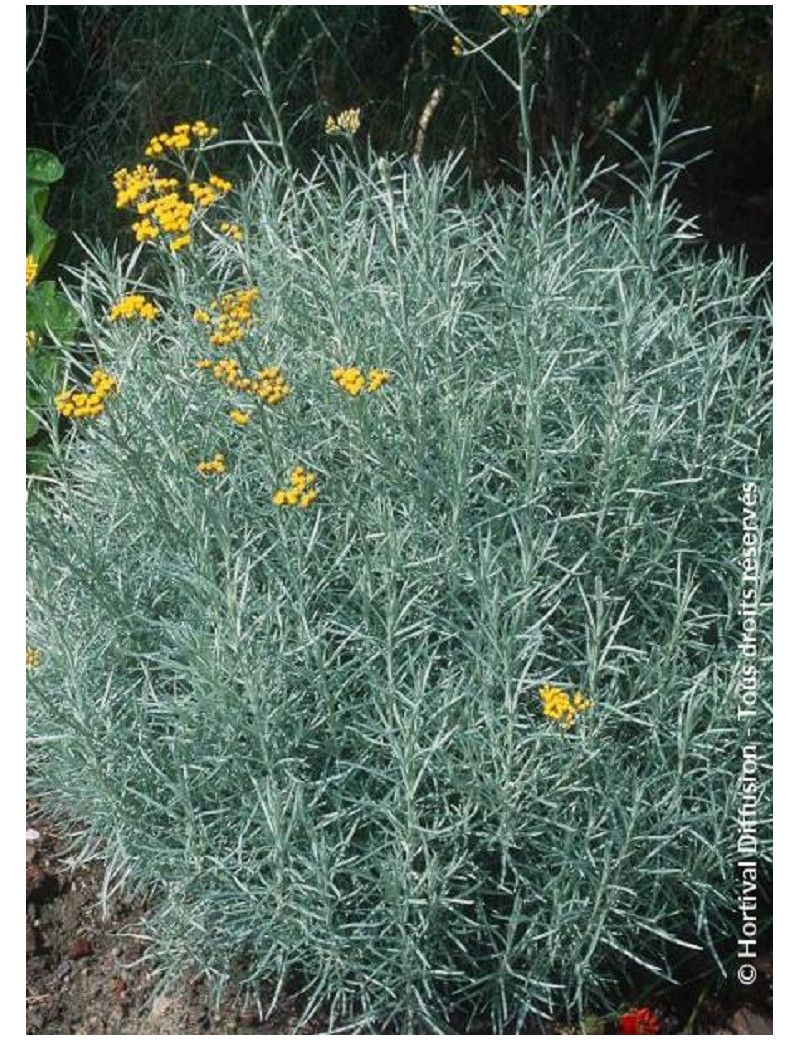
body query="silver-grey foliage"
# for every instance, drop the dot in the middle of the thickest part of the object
(316, 735)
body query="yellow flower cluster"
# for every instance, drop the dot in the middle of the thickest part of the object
(181, 137)
(132, 185)
(31, 339)
(79, 404)
(562, 708)
(346, 122)
(457, 47)
(514, 10)
(522, 10)
(239, 417)
(171, 215)
(215, 465)
(33, 657)
(232, 231)
(31, 270)
(301, 493)
(206, 194)
(353, 380)
(230, 317)
(159, 204)
(135, 306)
(270, 385)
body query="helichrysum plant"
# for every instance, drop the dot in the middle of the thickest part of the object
(419, 685)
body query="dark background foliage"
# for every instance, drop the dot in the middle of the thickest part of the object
(103, 78)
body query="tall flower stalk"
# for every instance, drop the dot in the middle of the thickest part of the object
(522, 21)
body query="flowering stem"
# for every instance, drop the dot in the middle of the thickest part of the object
(525, 96)
(266, 85)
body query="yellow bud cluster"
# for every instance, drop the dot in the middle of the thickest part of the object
(160, 207)
(233, 231)
(170, 212)
(346, 122)
(562, 708)
(130, 185)
(215, 465)
(300, 493)
(457, 47)
(514, 10)
(33, 657)
(378, 377)
(181, 137)
(203, 194)
(231, 316)
(270, 386)
(136, 306)
(206, 194)
(80, 404)
(31, 339)
(239, 417)
(145, 230)
(353, 380)
(31, 270)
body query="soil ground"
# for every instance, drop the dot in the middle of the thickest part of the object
(86, 973)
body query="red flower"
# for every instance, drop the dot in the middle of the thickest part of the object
(639, 1022)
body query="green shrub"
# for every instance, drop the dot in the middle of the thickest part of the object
(47, 312)
(316, 734)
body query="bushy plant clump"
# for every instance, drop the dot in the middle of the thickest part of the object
(455, 739)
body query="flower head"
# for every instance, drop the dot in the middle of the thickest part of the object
(378, 377)
(230, 317)
(31, 270)
(87, 404)
(181, 137)
(346, 122)
(353, 381)
(514, 10)
(215, 465)
(562, 708)
(134, 306)
(300, 492)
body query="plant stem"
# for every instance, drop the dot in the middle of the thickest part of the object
(266, 85)
(525, 97)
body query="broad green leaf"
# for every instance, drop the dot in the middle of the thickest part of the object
(41, 237)
(43, 365)
(48, 310)
(36, 196)
(42, 167)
